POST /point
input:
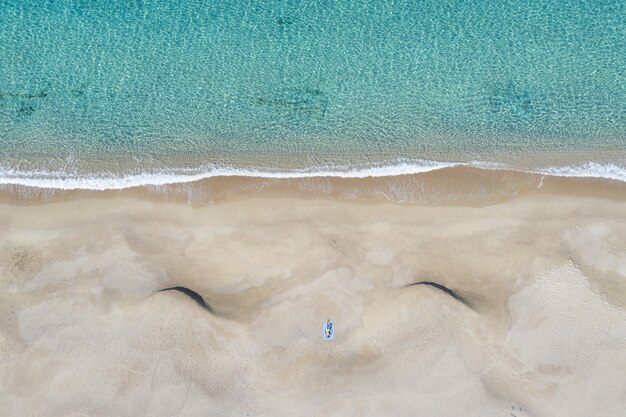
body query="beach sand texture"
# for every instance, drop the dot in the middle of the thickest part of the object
(85, 332)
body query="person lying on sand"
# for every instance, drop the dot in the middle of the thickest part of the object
(328, 327)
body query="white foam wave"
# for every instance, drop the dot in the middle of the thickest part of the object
(70, 179)
(589, 170)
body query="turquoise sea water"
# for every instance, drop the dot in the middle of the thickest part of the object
(315, 83)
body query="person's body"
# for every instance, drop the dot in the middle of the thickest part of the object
(328, 329)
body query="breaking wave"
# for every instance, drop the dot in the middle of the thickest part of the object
(72, 179)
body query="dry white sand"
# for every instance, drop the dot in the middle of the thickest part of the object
(83, 333)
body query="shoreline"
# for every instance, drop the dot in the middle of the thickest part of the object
(456, 185)
(122, 171)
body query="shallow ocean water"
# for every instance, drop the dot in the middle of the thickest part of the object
(257, 83)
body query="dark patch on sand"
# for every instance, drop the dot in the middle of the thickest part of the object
(24, 260)
(191, 294)
(443, 288)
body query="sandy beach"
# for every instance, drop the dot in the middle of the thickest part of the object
(85, 332)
